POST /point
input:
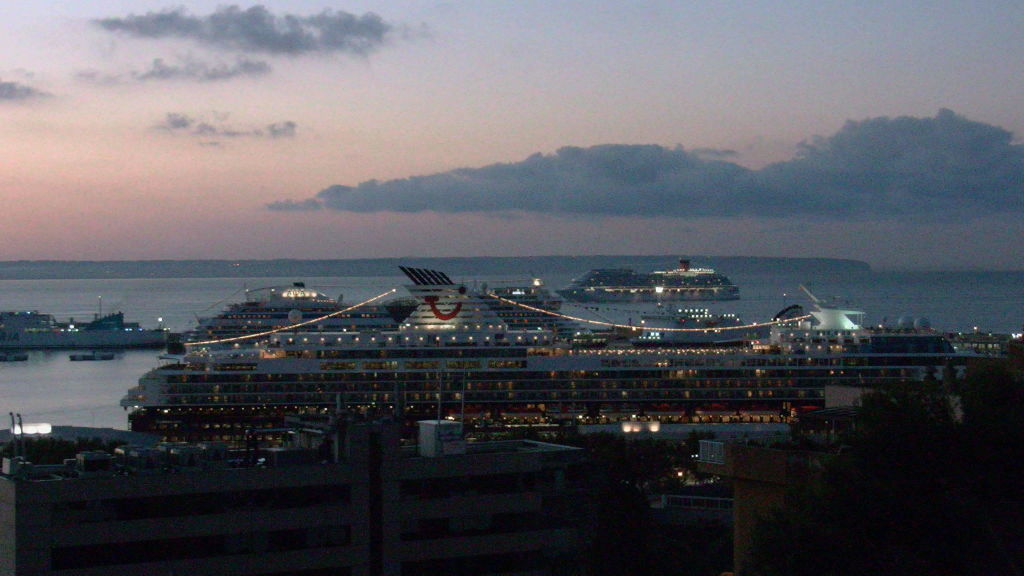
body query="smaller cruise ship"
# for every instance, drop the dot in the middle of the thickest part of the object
(626, 285)
(33, 330)
(276, 307)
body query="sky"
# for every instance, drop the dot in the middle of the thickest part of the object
(888, 132)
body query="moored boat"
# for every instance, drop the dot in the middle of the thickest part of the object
(33, 330)
(91, 356)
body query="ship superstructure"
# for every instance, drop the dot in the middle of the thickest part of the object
(454, 357)
(695, 327)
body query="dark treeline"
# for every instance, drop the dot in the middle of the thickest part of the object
(915, 490)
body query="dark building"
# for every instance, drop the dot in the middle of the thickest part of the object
(348, 499)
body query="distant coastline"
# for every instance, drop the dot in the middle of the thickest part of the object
(482, 265)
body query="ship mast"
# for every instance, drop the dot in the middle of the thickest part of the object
(812, 296)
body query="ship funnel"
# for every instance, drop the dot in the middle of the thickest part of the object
(684, 264)
(444, 304)
(425, 277)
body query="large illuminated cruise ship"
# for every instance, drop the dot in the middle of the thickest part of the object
(626, 285)
(454, 357)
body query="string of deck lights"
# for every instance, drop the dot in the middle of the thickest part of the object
(496, 297)
(293, 326)
(629, 326)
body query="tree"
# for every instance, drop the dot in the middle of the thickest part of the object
(911, 496)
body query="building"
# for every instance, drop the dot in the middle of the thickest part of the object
(761, 479)
(347, 499)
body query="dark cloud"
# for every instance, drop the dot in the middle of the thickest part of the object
(184, 68)
(187, 69)
(175, 121)
(12, 91)
(906, 165)
(281, 130)
(191, 69)
(881, 167)
(293, 206)
(256, 29)
(218, 127)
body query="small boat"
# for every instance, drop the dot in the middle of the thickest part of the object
(91, 356)
(13, 357)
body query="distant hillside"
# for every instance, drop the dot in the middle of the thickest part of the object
(49, 269)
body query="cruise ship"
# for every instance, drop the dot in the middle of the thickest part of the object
(626, 285)
(454, 357)
(275, 307)
(33, 330)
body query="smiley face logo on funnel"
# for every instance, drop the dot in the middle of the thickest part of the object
(432, 300)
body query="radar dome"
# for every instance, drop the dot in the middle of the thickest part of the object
(905, 322)
(922, 324)
(295, 316)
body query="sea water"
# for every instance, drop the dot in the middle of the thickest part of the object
(50, 388)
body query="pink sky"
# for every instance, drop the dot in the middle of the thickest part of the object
(86, 172)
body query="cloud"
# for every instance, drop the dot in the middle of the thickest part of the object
(14, 91)
(281, 130)
(307, 205)
(210, 128)
(184, 68)
(175, 121)
(256, 29)
(903, 167)
(191, 69)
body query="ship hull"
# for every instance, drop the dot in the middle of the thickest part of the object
(641, 295)
(71, 340)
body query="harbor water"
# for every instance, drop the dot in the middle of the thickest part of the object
(50, 388)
